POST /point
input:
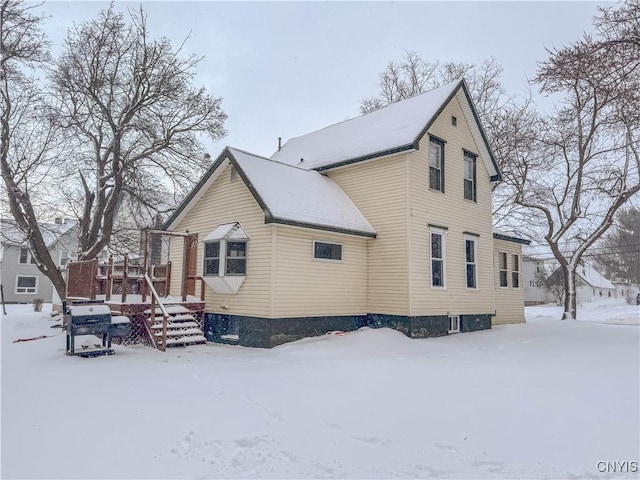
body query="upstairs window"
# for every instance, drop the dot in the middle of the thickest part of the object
(64, 258)
(515, 271)
(470, 176)
(327, 251)
(436, 164)
(25, 257)
(502, 268)
(437, 258)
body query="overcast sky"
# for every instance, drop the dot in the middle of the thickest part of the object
(285, 69)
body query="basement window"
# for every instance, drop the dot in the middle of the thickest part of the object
(454, 324)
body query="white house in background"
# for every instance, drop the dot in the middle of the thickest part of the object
(626, 291)
(21, 280)
(537, 264)
(592, 286)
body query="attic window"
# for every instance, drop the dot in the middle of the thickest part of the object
(454, 121)
(234, 174)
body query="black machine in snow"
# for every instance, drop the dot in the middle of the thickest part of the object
(95, 319)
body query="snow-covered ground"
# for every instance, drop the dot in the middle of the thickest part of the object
(546, 399)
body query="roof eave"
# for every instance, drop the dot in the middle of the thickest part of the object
(508, 238)
(371, 156)
(315, 226)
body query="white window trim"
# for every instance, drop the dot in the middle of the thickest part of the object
(474, 239)
(442, 232)
(35, 292)
(327, 260)
(506, 269)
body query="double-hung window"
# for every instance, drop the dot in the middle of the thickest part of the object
(25, 257)
(515, 271)
(437, 257)
(470, 176)
(436, 164)
(236, 261)
(502, 268)
(470, 253)
(211, 258)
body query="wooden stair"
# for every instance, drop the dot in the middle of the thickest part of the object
(182, 327)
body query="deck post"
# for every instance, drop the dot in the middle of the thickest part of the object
(125, 276)
(167, 281)
(185, 273)
(145, 265)
(109, 286)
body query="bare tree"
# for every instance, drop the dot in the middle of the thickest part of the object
(120, 117)
(585, 163)
(132, 116)
(28, 139)
(618, 255)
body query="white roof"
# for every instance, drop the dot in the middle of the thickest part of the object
(593, 278)
(396, 127)
(231, 230)
(298, 196)
(12, 234)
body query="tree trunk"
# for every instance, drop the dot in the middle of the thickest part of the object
(570, 295)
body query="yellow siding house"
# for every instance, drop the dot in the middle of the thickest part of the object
(381, 220)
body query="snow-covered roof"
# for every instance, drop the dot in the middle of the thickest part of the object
(591, 276)
(392, 129)
(287, 195)
(231, 230)
(12, 234)
(297, 196)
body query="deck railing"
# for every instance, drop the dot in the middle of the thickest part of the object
(86, 279)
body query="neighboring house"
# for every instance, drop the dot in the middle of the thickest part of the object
(590, 284)
(627, 291)
(21, 280)
(128, 236)
(536, 268)
(381, 220)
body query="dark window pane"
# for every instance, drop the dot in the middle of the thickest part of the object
(211, 266)
(471, 276)
(468, 190)
(26, 282)
(212, 249)
(470, 251)
(327, 251)
(503, 278)
(236, 249)
(436, 245)
(515, 280)
(236, 266)
(437, 279)
(434, 179)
